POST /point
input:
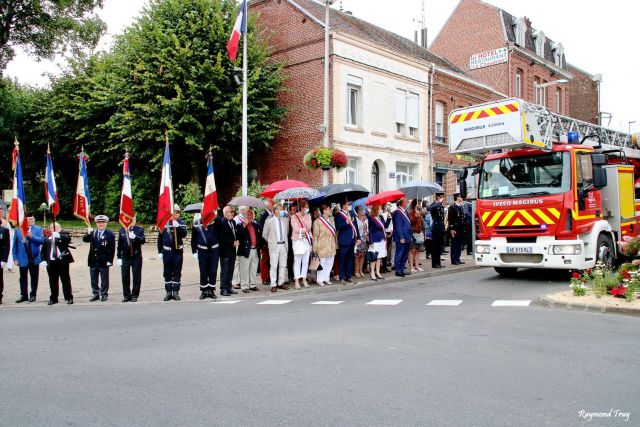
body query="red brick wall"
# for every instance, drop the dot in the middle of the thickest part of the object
(583, 95)
(529, 73)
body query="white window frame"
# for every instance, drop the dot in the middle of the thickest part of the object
(518, 84)
(520, 28)
(407, 114)
(540, 41)
(405, 175)
(353, 116)
(352, 168)
(558, 100)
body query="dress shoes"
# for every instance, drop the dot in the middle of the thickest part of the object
(225, 293)
(94, 298)
(399, 274)
(103, 298)
(379, 277)
(284, 287)
(212, 294)
(51, 302)
(204, 294)
(236, 286)
(126, 299)
(176, 296)
(70, 301)
(274, 289)
(32, 299)
(232, 292)
(134, 299)
(21, 299)
(439, 266)
(246, 291)
(461, 262)
(253, 288)
(168, 296)
(266, 283)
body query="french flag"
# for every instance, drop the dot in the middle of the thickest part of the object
(18, 202)
(165, 199)
(210, 205)
(127, 214)
(82, 200)
(239, 28)
(50, 189)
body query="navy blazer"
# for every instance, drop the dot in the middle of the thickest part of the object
(204, 238)
(5, 244)
(63, 244)
(245, 239)
(101, 251)
(346, 236)
(228, 232)
(401, 226)
(124, 250)
(377, 234)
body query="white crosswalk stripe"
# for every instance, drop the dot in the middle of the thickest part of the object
(226, 301)
(275, 302)
(445, 302)
(327, 302)
(385, 302)
(511, 303)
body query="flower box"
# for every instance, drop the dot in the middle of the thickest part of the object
(325, 159)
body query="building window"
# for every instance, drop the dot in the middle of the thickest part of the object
(407, 114)
(404, 173)
(519, 28)
(440, 179)
(559, 101)
(439, 121)
(540, 93)
(519, 83)
(540, 40)
(375, 178)
(354, 101)
(558, 53)
(351, 171)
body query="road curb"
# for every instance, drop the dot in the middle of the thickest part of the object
(548, 301)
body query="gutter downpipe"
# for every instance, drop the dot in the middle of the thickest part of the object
(430, 122)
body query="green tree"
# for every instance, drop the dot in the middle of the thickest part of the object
(46, 27)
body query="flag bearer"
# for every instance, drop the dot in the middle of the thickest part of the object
(101, 251)
(130, 241)
(205, 249)
(170, 251)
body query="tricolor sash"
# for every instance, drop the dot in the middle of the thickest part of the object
(327, 224)
(346, 218)
(379, 223)
(404, 214)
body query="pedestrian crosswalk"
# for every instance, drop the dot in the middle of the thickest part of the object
(387, 302)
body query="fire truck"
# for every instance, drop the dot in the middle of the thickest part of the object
(551, 191)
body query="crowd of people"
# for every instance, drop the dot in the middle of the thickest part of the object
(293, 246)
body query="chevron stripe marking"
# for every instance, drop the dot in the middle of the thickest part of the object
(507, 218)
(485, 216)
(554, 212)
(495, 218)
(528, 217)
(543, 216)
(518, 221)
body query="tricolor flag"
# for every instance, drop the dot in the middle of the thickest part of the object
(50, 189)
(82, 200)
(127, 215)
(18, 203)
(239, 28)
(165, 199)
(210, 205)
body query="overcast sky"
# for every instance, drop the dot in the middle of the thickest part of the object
(598, 37)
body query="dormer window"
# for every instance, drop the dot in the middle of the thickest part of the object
(520, 28)
(558, 53)
(540, 40)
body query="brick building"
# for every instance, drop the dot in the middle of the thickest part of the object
(382, 111)
(584, 93)
(512, 56)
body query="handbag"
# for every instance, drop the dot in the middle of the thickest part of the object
(372, 256)
(314, 264)
(300, 246)
(418, 238)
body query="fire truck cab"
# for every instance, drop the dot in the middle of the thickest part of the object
(552, 192)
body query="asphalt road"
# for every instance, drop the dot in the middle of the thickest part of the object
(299, 363)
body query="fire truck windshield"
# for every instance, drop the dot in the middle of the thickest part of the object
(535, 175)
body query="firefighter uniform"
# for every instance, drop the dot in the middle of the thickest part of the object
(205, 248)
(102, 248)
(437, 233)
(170, 250)
(456, 227)
(130, 243)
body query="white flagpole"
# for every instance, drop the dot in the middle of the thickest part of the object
(244, 113)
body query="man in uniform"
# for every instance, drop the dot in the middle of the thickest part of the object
(26, 254)
(229, 235)
(467, 209)
(437, 230)
(170, 251)
(264, 247)
(5, 246)
(456, 228)
(57, 257)
(205, 249)
(130, 243)
(102, 248)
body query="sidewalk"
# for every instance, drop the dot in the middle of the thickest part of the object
(152, 289)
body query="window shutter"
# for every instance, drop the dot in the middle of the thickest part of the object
(413, 110)
(439, 112)
(401, 106)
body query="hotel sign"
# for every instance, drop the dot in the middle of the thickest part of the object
(488, 58)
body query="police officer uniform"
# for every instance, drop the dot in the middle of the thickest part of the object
(5, 246)
(130, 243)
(437, 233)
(205, 248)
(57, 257)
(456, 227)
(170, 250)
(101, 251)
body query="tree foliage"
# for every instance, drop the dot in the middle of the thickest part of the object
(46, 27)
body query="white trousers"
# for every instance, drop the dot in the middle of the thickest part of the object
(236, 271)
(278, 263)
(248, 269)
(301, 265)
(324, 275)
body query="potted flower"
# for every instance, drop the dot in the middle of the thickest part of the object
(325, 159)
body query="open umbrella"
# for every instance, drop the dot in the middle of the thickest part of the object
(249, 201)
(360, 202)
(279, 186)
(341, 192)
(421, 189)
(193, 208)
(385, 197)
(297, 193)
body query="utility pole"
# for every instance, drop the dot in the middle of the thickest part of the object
(325, 126)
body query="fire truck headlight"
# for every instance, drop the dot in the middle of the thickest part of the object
(483, 249)
(566, 249)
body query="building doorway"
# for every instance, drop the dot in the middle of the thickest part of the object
(375, 178)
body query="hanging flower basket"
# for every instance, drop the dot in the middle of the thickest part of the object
(325, 159)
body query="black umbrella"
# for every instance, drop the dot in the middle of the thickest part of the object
(338, 193)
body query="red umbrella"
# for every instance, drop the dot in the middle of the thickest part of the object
(385, 197)
(279, 186)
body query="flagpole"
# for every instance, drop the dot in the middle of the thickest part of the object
(244, 112)
(173, 214)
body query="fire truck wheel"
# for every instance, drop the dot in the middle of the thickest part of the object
(605, 250)
(506, 271)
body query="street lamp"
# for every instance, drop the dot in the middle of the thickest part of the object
(630, 123)
(540, 90)
(555, 82)
(325, 126)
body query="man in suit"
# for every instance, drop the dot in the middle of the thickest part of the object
(437, 230)
(401, 236)
(467, 209)
(170, 251)
(205, 249)
(275, 233)
(57, 257)
(130, 241)
(5, 244)
(26, 254)
(264, 247)
(292, 211)
(456, 228)
(239, 219)
(229, 237)
(101, 252)
(248, 252)
(348, 236)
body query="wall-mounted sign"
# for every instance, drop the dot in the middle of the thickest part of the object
(392, 175)
(490, 57)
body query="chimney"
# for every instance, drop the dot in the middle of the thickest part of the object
(423, 37)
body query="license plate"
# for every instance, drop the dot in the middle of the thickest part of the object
(519, 250)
